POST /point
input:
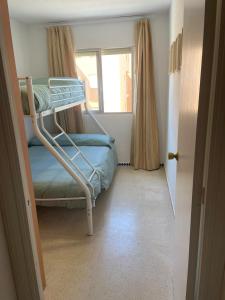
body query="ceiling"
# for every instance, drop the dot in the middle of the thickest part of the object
(44, 11)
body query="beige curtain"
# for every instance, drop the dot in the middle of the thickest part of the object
(62, 63)
(145, 144)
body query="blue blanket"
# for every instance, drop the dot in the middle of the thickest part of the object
(80, 139)
(51, 180)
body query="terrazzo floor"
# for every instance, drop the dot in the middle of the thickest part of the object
(130, 255)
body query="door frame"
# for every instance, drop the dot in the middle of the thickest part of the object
(15, 205)
(17, 202)
(210, 283)
(206, 204)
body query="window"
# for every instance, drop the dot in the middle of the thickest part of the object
(87, 70)
(108, 78)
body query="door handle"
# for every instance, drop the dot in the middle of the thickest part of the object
(172, 155)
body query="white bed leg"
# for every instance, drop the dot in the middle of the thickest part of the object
(89, 216)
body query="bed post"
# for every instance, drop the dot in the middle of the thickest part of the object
(89, 214)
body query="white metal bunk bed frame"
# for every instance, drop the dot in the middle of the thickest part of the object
(68, 163)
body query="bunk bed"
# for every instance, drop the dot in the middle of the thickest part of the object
(67, 169)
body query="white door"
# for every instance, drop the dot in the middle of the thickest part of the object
(188, 108)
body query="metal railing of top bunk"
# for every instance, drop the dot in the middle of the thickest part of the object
(48, 140)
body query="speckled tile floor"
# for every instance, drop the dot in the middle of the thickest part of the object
(130, 255)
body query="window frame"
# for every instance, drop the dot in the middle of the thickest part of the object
(99, 52)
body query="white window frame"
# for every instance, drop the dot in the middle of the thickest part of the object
(99, 52)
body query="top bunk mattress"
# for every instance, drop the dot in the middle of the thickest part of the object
(61, 92)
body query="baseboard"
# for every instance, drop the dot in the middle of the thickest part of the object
(171, 202)
(123, 164)
(129, 164)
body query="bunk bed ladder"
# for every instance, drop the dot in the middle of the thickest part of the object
(70, 159)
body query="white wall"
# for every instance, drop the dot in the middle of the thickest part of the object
(37, 40)
(121, 34)
(176, 24)
(21, 47)
(160, 44)
(25, 62)
(119, 126)
(22, 54)
(114, 34)
(110, 34)
(7, 288)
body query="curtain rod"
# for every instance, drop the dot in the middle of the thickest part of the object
(97, 20)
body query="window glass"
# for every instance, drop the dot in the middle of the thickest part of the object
(117, 81)
(87, 71)
(111, 72)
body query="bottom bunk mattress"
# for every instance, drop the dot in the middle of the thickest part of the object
(51, 180)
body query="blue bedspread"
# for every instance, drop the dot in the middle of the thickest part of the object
(80, 139)
(51, 180)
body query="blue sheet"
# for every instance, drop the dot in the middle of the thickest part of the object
(51, 180)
